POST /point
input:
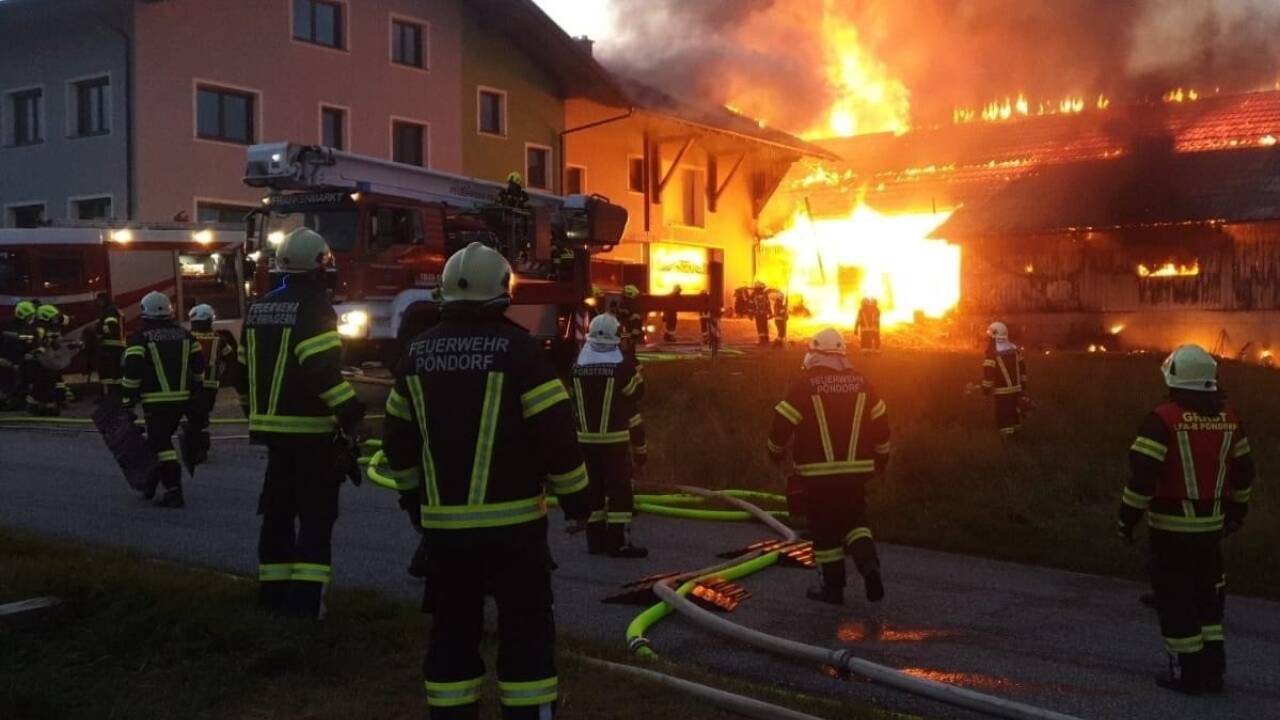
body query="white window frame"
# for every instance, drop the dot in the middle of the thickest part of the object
(258, 102)
(426, 41)
(426, 138)
(701, 193)
(551, 166)
(644, 171)
(346, 29)
(248, 205)
(8, 120)
(73, 106)
(346, 123)
(73, 199)
(8, 207)
(480, 90)
(583, 168)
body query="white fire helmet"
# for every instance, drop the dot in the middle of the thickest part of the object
(156, 306)
(1191, 368)
(478, 274)
(302, 251)
(998, 331)
(828, 342)
(202, 312)
(604, 330)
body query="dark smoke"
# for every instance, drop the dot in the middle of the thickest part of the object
(948, 53)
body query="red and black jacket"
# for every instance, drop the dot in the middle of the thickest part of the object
(837, 422)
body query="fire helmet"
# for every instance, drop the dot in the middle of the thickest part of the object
(998, 331)
(1190, 368)
(515, 177)
(48, 313)
(24, 310)
(156, 306)
(476, 274)
(631, 291)
(828, 342)
(302, 251)
(604, 330)
(759, 285)
(202, 313)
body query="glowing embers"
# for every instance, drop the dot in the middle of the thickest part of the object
(860, 631)
(1169, 269)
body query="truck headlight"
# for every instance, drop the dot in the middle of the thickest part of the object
(354, 324)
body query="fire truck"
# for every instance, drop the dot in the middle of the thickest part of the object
(392, 226)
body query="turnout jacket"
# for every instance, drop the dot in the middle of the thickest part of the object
(1004, 372)
(478, 425)
(161, 364)
(837, 424)
(291, 383)
(220, 353)
(868, 318)
(1191, 468)
(110, 328)
(607, 397)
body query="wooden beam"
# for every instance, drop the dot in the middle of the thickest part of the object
(716, 192)
(675, 163)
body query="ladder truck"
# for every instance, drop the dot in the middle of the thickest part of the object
(392, 226)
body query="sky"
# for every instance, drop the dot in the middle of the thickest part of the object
(580, 17)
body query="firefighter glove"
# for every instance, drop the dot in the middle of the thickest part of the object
(1125, 532)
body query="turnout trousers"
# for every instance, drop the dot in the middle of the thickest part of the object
(1008, 415)
(762, 329)
(162, 421)
(870, 340)
(512, 564)
(610, 495)
(1190, 586)
(837, 509)
(202, 401)
(108, 367)
(298, 505)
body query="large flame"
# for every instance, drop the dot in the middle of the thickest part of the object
(831, 264)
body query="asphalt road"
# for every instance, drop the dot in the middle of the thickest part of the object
(1073, 643)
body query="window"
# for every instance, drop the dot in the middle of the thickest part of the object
(318, 22)
(491, 112)
(26, 216)
(225, 115)
(92, 106)
(407, 47)
(333, 127)
(209, 212)
(537, 167)
(61, 270)
(14, 277)
(98, 208)
(635, 174)
(395, 226)
(693, 198)
(575, 180)
(28, 117)
(409, 143)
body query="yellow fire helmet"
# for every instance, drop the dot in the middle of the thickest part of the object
(631, 291)
(828, 342)
(1190, 368)
(24, 310)
(476, 274)
(604, 330)
(515, 177)
(301, 251)
(48, 313)
(156, 306)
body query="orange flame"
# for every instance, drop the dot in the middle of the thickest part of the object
(1170, 269)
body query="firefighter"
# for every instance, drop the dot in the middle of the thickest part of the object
(17, 344)
(1004, 378)
(838, 429)
(478, 423)
(219, 348)
(45, 398)
(630, 320)
(868, 325)
(1193, 495)
(670, 318)
(607, 387)
(513, 195)
(778, 308)
(759, 306)
(300, 407)
(109, 343)
(162, 363)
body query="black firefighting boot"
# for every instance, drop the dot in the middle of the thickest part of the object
(1186, 674)
(153, 482)
(172, 498)
(874, 585)
(823, 592)
(1214, 666)
(170, 475)
(597, 538)
(418, 565)
(619, 542)
(1148, 599)
(546, 711)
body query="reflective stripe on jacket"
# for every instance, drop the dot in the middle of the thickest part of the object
(836, 422)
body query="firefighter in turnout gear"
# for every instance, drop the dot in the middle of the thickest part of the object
(219, 348)
(671, 318)
(1191, 474)
(1004, 377)
(513, 195)
(778, 308)
(109, 334)
(477, 425)
(301, 408)
(162, 364)
(607, 387)
(759, 306)
(46, 382)
(18, 344)
(630, 321)
(868, 325)
(838, 430)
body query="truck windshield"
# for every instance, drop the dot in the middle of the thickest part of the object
(339, 227)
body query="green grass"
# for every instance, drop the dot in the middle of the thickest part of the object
(141, 639)
(1050, 499)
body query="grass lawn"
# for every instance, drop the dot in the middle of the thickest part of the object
(1050, 499)
(139, 639)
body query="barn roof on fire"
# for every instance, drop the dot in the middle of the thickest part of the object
(1142, 189)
